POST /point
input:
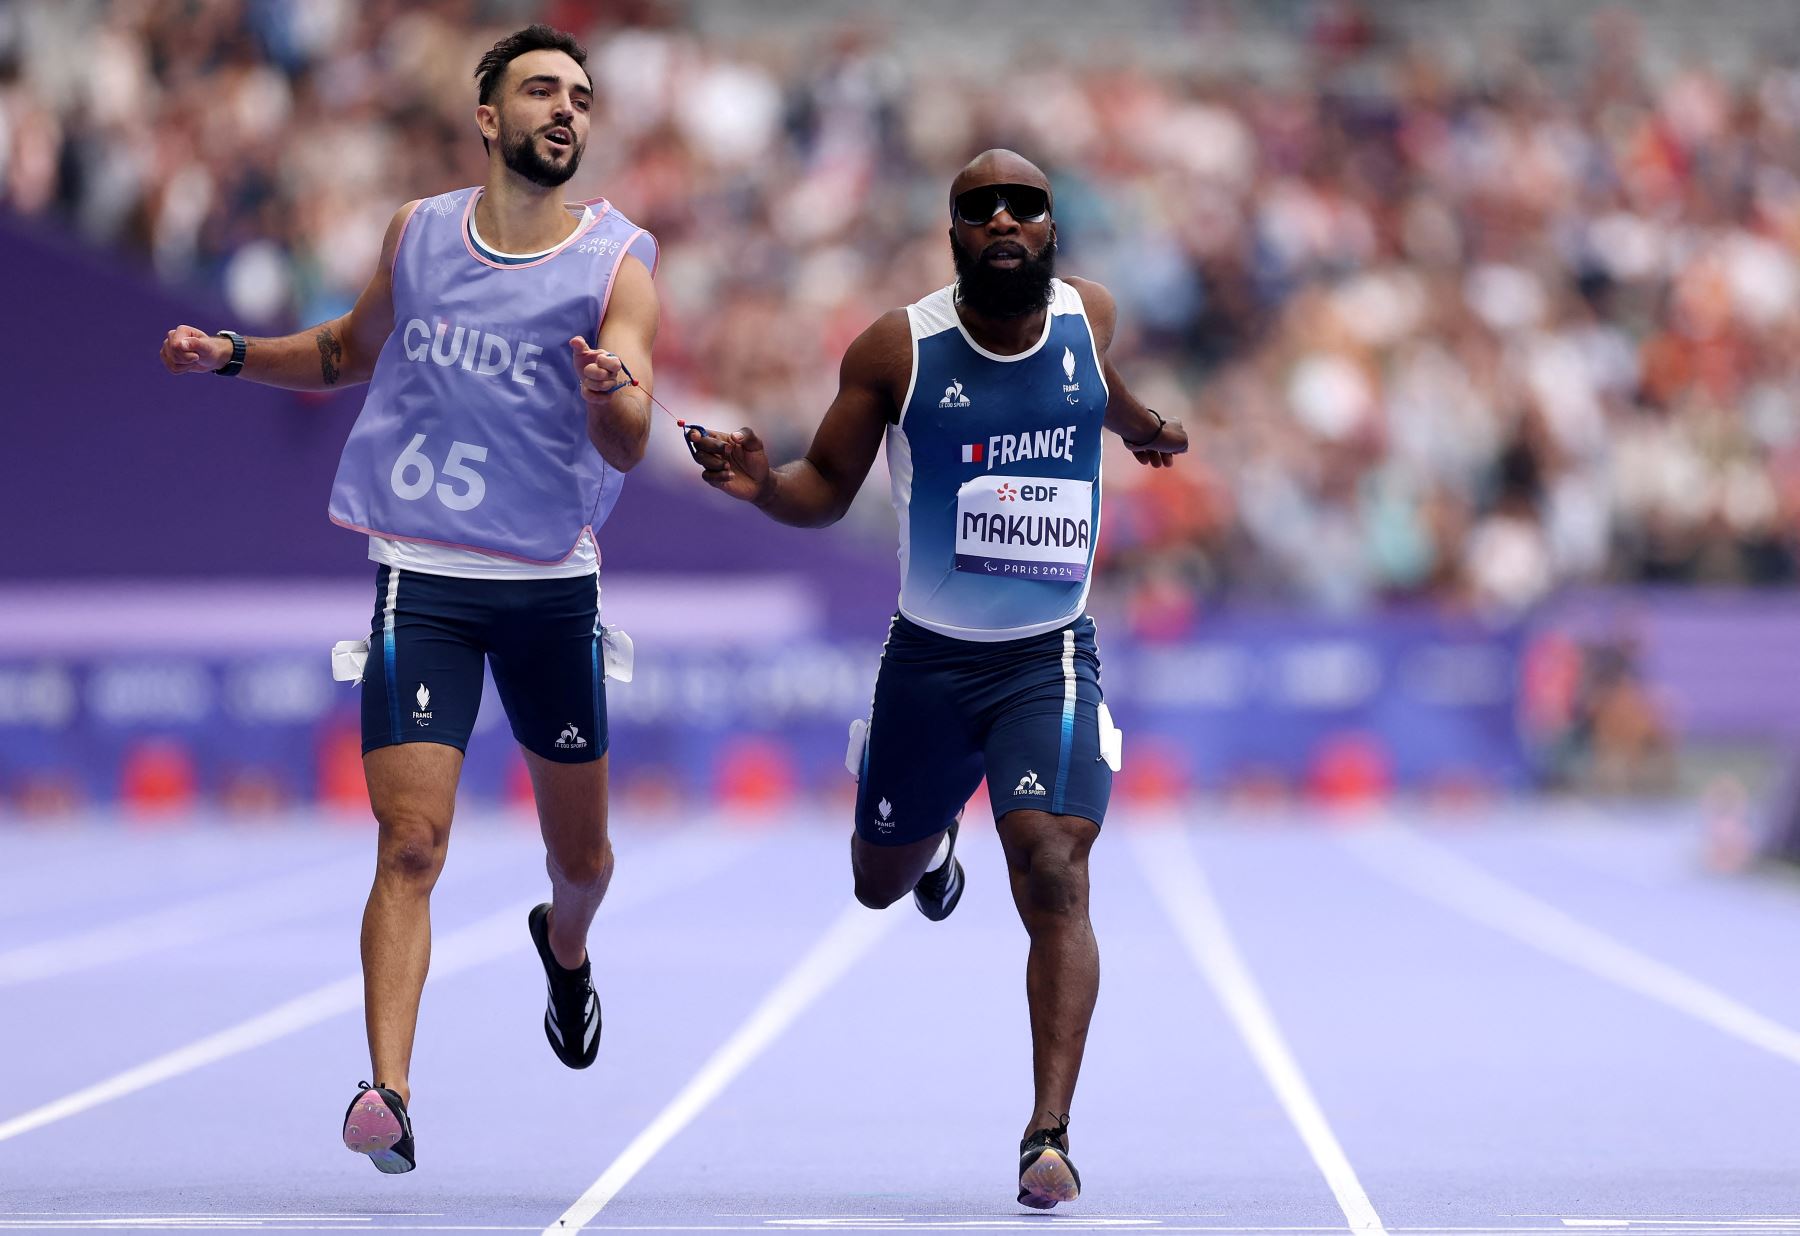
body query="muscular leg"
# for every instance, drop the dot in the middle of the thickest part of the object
(886, 873)
(412, 788)
(1046, 860)
(571, 805)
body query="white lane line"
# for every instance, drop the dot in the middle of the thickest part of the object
(212, 1222)
(237, 910)
(850, 935)
(951, 1223)
(480, 942)
(1026, 1222)
(1452, 881)
(1173, 871)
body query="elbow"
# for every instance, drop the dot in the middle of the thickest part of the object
(824, 516)
(343, 358)
(635, 450)
(838, 493)
(621, 457)
(623, 451)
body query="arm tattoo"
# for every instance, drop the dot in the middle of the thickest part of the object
(330, 353)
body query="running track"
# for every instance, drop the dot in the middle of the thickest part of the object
(1535, 1019)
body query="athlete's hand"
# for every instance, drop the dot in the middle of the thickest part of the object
(186, 350)
(734, 463)
(1161, 450)
(601, 373)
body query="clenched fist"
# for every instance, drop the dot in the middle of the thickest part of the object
(187, 350)
(601, 373)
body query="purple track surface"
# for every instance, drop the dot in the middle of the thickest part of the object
(1531, 1019)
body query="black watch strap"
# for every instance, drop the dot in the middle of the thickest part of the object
(232, 367)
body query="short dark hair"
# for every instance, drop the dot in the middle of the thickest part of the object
(535, 37)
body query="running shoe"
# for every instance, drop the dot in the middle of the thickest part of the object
(572, 1020)
(1046, 1173)
(377, 1125)
(938, 891)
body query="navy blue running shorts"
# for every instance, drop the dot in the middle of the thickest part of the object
(1023, 712)
(431, 633)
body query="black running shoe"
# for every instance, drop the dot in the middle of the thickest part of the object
(377, 1125)
(1046, 1173)
(572, 1021)
(938, 891)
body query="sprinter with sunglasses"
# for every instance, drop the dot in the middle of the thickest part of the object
(991, 394)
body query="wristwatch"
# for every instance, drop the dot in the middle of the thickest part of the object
(231, 368)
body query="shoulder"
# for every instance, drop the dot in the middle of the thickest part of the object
(443, 204)
(390, 242)
(610, 215)
(403, 216)
(1098, 303)
(426, 212)
(878, 362)
(933, 314)
(1094, 296)
(883, 352)
(632, 292)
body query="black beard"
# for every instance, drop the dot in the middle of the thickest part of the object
(996, 293)
(521, 155)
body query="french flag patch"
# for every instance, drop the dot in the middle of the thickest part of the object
(972, 454)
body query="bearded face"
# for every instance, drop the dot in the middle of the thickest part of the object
(545, 156)
(1005, 279)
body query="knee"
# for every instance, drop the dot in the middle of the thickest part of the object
(876, 898)
(588, 869)
(1056, 887)
(412, 848)
(869, 871)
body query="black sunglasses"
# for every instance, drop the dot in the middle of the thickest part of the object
(1025, 203)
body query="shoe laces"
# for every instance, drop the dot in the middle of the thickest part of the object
(571, 996)
(1050, 1135)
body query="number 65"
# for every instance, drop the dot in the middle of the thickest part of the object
(413, 460)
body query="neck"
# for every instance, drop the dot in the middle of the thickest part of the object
(516, 216)
(1004, 336)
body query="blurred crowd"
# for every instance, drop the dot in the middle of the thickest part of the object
(1465, 334)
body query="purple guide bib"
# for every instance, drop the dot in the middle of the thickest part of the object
(473, 433)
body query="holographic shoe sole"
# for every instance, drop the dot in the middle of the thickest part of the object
(376, 1124)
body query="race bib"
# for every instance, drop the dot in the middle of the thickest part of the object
(1025, 527)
